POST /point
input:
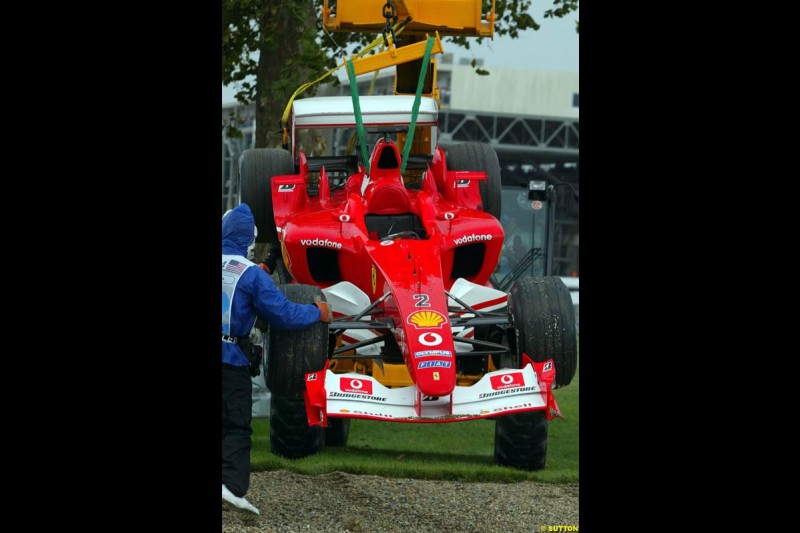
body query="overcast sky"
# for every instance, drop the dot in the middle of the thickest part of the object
(553, 47)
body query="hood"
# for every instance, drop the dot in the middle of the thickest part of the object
(238, 227)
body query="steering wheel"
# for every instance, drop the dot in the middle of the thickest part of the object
(411, 234)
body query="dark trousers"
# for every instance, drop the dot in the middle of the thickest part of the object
(237, 405)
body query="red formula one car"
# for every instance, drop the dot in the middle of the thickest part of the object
(403, 250)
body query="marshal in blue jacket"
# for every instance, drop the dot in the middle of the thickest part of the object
(254, 293)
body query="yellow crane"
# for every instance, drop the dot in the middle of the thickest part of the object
(416, 19)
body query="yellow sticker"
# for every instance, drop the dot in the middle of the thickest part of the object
(374, 279)
(426, 319)
(285, 255)
(435, 376)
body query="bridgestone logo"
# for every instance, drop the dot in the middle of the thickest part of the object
(473, 238)
(334, 394)
(507, 391)
(325, 243)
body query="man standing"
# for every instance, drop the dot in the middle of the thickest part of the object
(247, 293)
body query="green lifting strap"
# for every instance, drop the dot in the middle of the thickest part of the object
(357, 110)
(415, 110)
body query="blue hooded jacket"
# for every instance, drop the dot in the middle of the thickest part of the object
(255, 294)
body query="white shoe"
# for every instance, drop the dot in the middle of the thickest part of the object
(239, 503)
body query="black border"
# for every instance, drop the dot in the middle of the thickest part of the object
(135, 212)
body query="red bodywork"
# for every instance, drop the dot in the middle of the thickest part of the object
(415, 272)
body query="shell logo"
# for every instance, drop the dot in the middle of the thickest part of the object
(426, 319)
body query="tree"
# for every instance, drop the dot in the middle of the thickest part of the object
(292, 48)
(283, 35)
(562, 9)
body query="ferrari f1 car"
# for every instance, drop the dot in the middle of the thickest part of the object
(402, 246)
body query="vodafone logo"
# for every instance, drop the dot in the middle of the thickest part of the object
(473, 238)
(356, 385)
(321, 242)
(430, 339)
(507, 381)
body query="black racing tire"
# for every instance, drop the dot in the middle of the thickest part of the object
(520, 440)
(256, 169)
(544, 328)
(479, 157)
(544, 320)
(337, 432)
(290, 436)
(292, 354)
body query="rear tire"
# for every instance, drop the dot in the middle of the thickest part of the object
(479, 157)
(256, 169)
(292, 355)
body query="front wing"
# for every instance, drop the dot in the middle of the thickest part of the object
(497, 393)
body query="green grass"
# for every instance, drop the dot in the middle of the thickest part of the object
(452, 451)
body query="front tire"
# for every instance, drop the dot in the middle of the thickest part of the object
(337, 432)
(544, 327)
(520, 440)
(292, 355)
(544, 318)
